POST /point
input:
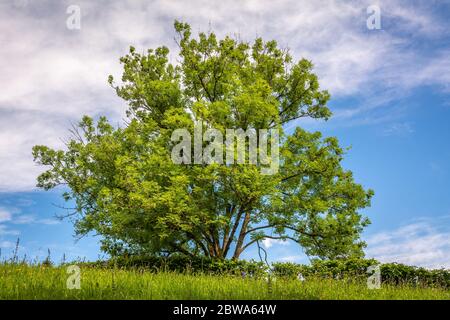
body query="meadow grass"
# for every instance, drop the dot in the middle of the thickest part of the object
(22, 281)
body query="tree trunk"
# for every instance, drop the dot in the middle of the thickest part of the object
(240, 242)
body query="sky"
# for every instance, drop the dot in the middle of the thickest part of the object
(390, 89)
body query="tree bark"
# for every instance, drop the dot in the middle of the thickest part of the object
(242, 234)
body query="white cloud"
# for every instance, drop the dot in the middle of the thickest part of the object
(51, 75)
(24, 219)
(424, 243)
(33, 219)
(398, 129)
(14, 216)
(7, 244)
(5, 215)
(5, 231)
(293, 258)
(267, 242)
(48, 221)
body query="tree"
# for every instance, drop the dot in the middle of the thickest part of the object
(127, 189)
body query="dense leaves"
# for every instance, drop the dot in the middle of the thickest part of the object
(353, 269)
(391, 273)
(127, 189)
(183, 264)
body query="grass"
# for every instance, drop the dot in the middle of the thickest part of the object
(22, 281)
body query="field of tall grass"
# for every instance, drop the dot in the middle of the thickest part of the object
(24, 281)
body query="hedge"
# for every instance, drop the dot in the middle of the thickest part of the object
(181, 263)
(355, 269)
(391, 273)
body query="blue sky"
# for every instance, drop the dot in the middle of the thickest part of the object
(390, 98)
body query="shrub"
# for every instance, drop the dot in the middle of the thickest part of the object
(182, 263)
(355, 269)
(392, 273)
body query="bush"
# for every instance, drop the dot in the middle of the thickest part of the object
(399, 273)
(181, 263)
(289, 269)
(355, 269)
(391, 273)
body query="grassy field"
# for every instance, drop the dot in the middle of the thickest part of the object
(20, 281)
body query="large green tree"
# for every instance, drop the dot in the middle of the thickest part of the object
(127, 189)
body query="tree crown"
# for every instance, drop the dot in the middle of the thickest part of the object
(127, 189)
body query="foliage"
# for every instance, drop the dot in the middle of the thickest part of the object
(399, 273)
(126, 188)
(392, 273)
(355, 269)
(181, 263)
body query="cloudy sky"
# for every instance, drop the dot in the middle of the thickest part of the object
(390, 98)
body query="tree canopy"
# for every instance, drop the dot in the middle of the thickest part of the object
(127, 189)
